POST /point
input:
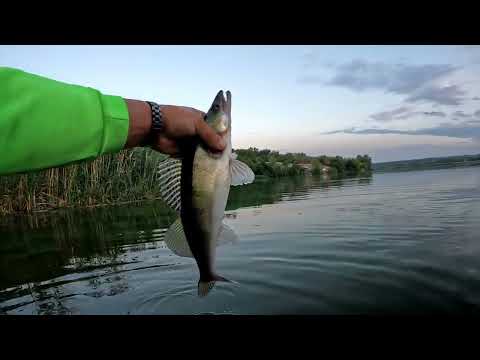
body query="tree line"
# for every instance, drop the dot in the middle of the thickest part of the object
(271, 163)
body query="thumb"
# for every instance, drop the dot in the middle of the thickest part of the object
(209, 136)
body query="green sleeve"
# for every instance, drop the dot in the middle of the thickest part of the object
(45, 123)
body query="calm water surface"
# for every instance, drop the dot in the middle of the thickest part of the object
(394, 243)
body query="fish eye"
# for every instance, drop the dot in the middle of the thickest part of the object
(216, 107)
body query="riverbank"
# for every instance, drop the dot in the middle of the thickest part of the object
(130, 176)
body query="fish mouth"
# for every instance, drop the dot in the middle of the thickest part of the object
(223, 103)
(219, 102)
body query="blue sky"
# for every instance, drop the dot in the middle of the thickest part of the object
(392, 102)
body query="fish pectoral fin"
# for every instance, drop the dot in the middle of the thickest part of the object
(240, 172)
(176, 241)
(226, 235)
(169, 174)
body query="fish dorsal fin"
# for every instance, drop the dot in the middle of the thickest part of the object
(177, 242)
(169, 174)
(240, 172)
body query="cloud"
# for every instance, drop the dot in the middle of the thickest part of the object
(395, 114)
(461, 114)
(464, 130)
(471, 122)
(361, 75)
(447, 95)
(403, 112)
(434, 113)
(417, 82)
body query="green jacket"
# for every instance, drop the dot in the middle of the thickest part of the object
(45, 123)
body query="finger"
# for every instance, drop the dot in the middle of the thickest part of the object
(209, 136)
(166, 146)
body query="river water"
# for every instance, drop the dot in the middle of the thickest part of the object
(406, 242)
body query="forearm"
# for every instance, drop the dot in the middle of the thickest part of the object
(46, 123)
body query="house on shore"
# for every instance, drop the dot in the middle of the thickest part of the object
(307, 166)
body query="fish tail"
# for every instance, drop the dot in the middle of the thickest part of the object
(207, 284)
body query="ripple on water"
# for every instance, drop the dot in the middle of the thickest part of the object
(183, 299)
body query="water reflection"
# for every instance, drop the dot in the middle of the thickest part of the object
(269, 191)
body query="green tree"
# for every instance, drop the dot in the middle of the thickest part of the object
(316, 167)
(352, 166)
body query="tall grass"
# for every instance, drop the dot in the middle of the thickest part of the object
(127, 176)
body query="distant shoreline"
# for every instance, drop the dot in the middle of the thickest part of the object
(427, 163)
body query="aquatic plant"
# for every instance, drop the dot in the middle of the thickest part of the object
(110, 179)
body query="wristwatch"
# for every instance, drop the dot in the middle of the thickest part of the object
(157, 121)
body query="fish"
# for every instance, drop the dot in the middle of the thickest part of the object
(196, 185)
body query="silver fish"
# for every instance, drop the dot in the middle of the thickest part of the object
(197, 187)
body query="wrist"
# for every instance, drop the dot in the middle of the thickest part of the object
(140, 123)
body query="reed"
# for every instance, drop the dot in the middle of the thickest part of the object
(124, 177)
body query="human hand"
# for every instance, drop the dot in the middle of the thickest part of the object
(179, 122)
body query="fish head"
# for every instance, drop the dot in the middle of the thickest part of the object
(219, 114)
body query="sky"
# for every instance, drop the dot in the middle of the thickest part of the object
(391, 102)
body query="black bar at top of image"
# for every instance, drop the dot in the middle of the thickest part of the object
(245, 24)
